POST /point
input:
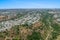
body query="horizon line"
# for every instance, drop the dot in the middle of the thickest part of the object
(29, 8)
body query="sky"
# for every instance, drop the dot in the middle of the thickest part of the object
(11, 4)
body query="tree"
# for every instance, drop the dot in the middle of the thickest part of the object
(34, 36)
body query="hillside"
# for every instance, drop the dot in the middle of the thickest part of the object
(34, 25)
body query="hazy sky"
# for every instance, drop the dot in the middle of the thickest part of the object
(7, 4)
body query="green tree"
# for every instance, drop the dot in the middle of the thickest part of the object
(35, 36)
